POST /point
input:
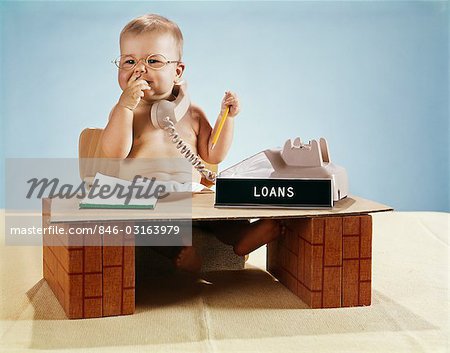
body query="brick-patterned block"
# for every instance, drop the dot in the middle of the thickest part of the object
(329, 259)
(93, 277)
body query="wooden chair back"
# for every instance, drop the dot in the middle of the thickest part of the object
(92, 159)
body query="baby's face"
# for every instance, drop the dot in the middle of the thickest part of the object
(140, 46)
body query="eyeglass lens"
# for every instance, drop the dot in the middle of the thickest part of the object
(128, 62)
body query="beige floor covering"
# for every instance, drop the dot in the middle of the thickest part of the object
(247, 311)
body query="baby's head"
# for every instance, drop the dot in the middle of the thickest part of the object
(151, 48)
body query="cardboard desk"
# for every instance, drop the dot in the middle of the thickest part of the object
(325, 258)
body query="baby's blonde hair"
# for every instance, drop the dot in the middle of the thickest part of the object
(157, 23)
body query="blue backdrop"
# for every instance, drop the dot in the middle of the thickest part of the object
(371, 77)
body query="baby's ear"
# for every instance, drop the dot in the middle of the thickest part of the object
(180, 70)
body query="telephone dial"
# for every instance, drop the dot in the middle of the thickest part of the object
(166, 114)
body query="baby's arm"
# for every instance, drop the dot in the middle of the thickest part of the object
(206, 133)
(117, 137)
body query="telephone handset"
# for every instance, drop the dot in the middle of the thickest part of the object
(165, 114)
(174, 110)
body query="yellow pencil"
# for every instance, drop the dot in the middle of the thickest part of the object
(219, 128)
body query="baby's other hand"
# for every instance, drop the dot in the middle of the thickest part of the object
(230, 100)
(132, 94)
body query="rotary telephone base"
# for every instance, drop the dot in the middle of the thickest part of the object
(297, 176)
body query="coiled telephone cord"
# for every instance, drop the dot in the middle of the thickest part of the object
(186, 151)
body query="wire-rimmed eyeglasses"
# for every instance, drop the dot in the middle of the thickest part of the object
(153, 61)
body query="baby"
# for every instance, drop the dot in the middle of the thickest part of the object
(150, 65)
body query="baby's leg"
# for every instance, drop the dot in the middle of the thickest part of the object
(247, 237)
(183, 257)
(188, 260)
(256, 234)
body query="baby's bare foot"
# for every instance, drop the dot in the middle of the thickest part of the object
(259, 234)
(188, 260)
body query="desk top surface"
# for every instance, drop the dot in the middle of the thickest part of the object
(201, 207)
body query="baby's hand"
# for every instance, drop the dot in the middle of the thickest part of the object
(230, 100)
(131, 96)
